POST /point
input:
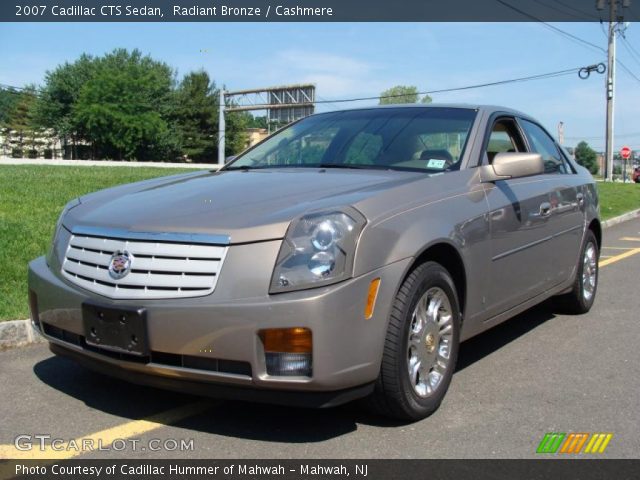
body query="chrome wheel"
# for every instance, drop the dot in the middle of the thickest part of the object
(430, 340)
(589, 271)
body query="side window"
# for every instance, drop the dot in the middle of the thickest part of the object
(504, 137)
(543, 144)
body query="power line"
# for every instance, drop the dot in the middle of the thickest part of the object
(634, 55)
(541, 76)
(626, 69)
(582, 12)
(570, 36)
(466, 87)
(552, 27)
(553, 7)
(565, 11)
(597, 137)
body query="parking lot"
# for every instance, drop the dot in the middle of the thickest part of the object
(539, 372)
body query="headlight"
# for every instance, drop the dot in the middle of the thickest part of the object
(73, 203)
(318, 250)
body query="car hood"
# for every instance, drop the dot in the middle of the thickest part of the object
(246, 206)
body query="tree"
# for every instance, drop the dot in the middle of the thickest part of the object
(124, 107)
(18, 120)
(8, 99)
(257, 122)
(195, 114)
(402, 94)
(236, 132)
(587, 157)
(55, 108)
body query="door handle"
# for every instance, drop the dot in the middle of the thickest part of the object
(545, 209)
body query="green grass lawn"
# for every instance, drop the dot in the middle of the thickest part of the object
(31, 198)
(618, 198)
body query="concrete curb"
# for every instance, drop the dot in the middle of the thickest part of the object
(18, 333)
(621, 218)
(105, 163)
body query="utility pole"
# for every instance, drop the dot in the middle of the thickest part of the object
(610, 88)
(611, 78)
(221, 128)
(561, 133)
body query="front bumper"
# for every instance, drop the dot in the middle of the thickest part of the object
(223, 328)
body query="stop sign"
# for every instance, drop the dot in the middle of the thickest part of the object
(625, 152)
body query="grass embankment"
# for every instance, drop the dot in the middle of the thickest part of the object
(31, 198)
(618, 198)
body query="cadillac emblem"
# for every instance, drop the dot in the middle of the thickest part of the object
(120, 264)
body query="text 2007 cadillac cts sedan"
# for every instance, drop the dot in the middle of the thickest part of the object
(346, 256)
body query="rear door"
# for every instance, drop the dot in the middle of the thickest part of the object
(520, 232)
(566, 218)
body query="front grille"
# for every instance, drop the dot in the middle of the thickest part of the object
(158, 269)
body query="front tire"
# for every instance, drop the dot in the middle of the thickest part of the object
(582, 295)
(421, 346)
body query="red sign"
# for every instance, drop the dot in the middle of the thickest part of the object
(625, 152)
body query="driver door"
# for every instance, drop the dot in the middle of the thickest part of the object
(519, 211)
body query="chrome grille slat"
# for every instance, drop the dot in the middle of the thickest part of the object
(148, 263)
(149, 248)
(158, 270)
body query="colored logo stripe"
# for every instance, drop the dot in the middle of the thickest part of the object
(598, 443)
(573, 443)
(550, 443)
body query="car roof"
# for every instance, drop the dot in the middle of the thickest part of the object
(490, 109)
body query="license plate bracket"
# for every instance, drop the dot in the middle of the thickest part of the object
(121, 329)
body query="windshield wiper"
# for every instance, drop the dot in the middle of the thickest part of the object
(243, 167)
(345, 165)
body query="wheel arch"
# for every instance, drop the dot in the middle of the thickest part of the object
(596, 228)
(447, 255)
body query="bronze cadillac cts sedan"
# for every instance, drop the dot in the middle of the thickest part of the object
(344, 257)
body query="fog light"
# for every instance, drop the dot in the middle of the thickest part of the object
(287, 351)
(288, 364)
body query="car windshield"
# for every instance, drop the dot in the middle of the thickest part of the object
(429, 139)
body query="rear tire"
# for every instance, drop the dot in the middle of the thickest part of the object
(582, 295)
(421, 346)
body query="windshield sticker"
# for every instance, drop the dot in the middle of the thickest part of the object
(435, 163)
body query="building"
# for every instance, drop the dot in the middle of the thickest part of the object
(41, 143)
(256, 135)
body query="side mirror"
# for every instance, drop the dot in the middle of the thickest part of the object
(513, 165)
(230, 158)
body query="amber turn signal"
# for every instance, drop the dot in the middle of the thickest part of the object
(287, 340)
(374, 286)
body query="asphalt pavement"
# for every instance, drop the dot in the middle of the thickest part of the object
(539, 372)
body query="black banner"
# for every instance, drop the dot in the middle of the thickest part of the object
(565, 469)
(310, 11)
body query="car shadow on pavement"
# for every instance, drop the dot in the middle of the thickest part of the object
(226, 418)
(260, 422)
(480, 346)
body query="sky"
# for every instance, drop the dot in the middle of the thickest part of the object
(362, 59)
